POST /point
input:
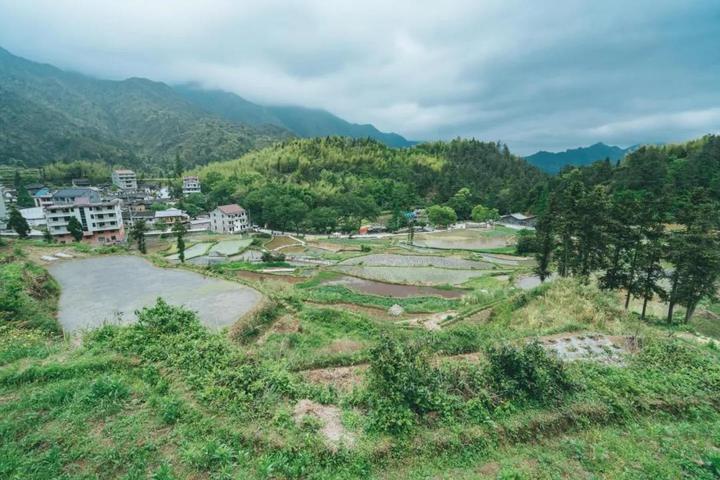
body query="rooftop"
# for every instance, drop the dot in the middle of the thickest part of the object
(75, 192)
(124, 171)
(170, 212)
(232, 209)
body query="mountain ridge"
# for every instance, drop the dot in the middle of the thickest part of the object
(51, 115)
(554, 162)
(305, 122)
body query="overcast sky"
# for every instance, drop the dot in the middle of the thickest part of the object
(535, 74)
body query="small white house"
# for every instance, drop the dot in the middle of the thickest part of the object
(191, 185)
(229, 219)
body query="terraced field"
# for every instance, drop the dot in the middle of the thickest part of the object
(231, 247)
(390, 260)
(412, 275)
(196, 250)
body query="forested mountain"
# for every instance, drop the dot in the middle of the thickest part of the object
(554, 162)
(304, 122)
(322, 183)
(47, 115)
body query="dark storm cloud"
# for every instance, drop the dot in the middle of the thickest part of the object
(547, 75)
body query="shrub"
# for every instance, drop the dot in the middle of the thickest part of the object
(526, 243)
(270, 257)
(164, 319)
(527, 373)
(365, 248)
(402, 384)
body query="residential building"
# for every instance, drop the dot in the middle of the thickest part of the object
(70, 196)
(124, 179)
(171, 216)
(229, 219)
(3, 209)
(191, 185)
(101, 221)
(518, 220)
(32, 188)
(43, 197)
(35, 217)
(80, 182)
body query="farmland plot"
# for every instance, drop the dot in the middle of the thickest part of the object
(412, 275)
(231, 247)
(465, 239)
(196, 250)
(110, 289)
(389, 260)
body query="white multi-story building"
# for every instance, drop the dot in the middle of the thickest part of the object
(124, 179)
(101, 222)
(229, 219)
(3, 209)
(191, 185)
(35, 217)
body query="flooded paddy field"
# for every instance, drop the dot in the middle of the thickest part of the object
(109, 289)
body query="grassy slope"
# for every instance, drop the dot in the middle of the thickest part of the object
(139, 401)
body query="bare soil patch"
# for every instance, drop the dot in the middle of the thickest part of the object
(333, 431)
(342, 378)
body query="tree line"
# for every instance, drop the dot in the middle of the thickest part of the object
(334, 183)
(648, 226)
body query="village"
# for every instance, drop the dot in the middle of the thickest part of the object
(107, 212)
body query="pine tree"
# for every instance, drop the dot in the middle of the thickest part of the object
(137, 233)
(18, 223)
(75, 229)
(180, 231)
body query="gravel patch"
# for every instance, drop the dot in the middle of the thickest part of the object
(101, 290)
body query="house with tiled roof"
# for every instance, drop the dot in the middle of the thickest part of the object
(229, 219)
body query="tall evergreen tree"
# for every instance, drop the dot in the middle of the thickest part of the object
(137, 233)
(18, 223)
(179, 230)
(75, 229)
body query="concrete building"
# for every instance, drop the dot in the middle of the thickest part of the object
(43, 197)
(229, 219)
(171, 216)
(70, 196)
(3, 209)
(124, 179)
(35, 217)
(101, 222)
(191, 185)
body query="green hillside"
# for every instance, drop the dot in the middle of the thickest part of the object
(49, 115)
(299, 181)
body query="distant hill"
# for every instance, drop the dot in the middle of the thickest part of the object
(554, 162)
(304, 122)
(48, 115)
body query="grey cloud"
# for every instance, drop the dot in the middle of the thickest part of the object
(538, 75)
